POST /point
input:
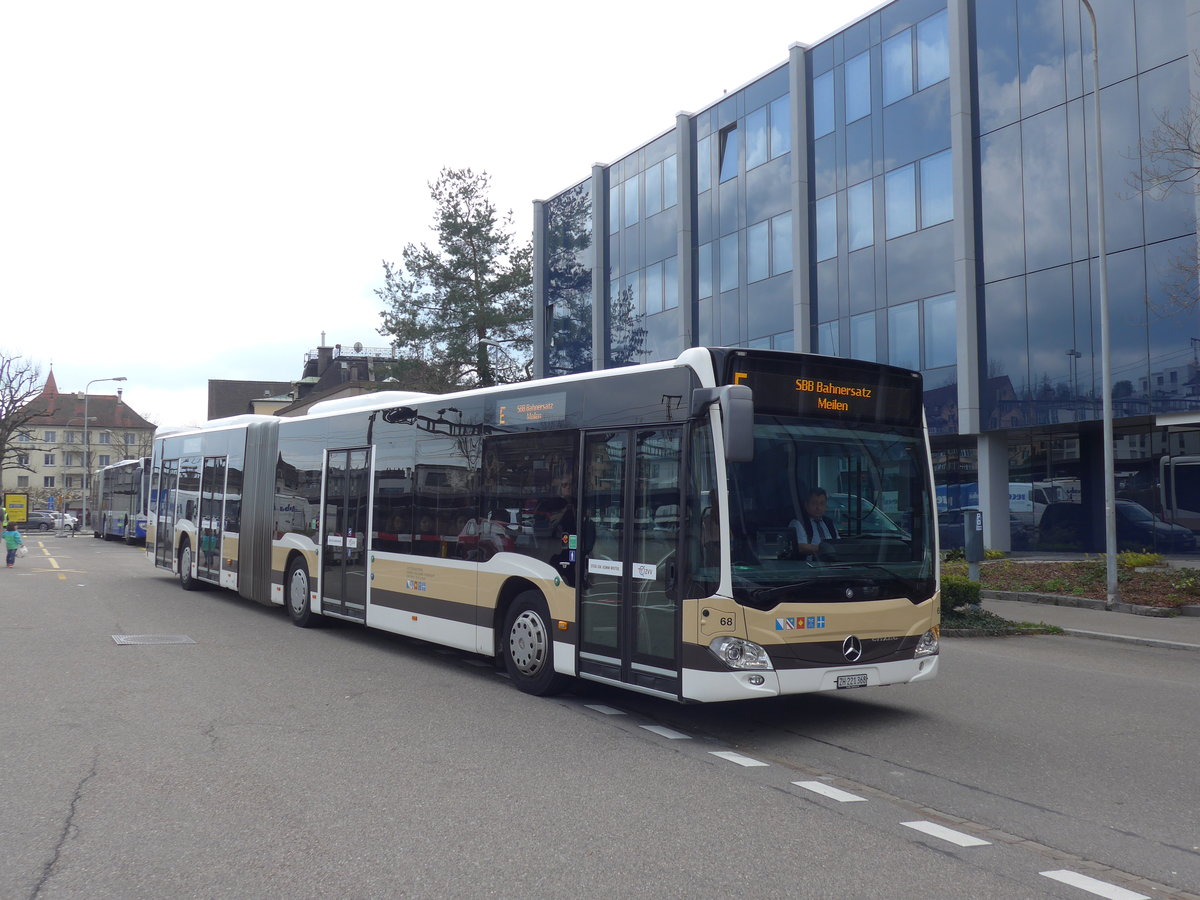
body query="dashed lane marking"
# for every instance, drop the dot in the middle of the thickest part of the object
(664, 731)
(1094, 885)
(738, 758)
(819, 787)
(947, 834)
(606, 710)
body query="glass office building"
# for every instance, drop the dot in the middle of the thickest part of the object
(920, 188)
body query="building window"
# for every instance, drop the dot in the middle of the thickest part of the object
(728, 279)
(130, 439)
(933, 51)
(900, 212)
(671, 282)
(72, 437)
(670, 182)
(862, 337)
(860, 215)
(858, 87)
(703, 164)
(827, 227)
(729, 153)
(941, 339)
(631, 201)
(48, 481)
(22, 481)
(781, 244)
(51, 437)
(937, 192)
(48, 459)
(105, 437)
(654, 189)
(614, 207)
(704, 268)
(823, 117)
(827, 338)
(781, 127)
(904, 339)
(104, 460)
(897, 67)
(757, 151)
(758, 251)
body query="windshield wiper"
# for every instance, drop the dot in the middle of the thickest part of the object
(768, 593)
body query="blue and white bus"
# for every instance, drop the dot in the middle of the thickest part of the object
(121, 493)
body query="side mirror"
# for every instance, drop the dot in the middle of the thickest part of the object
(736, 402)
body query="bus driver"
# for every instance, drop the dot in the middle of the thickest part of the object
(813, 531)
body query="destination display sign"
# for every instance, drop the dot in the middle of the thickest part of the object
(532, 410)
(822, 388)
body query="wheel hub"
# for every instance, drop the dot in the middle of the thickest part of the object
(528, 643)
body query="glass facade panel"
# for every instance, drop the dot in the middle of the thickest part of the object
(758, 252)
(933, 51)
(904, 336)
(704, 271)
(1159, 37)
(900, 191)
(999, 95)
(570, 258)
(781, 244)
(1046, 190)
(614, 204)
(897, 67)
(670, 182)
(827, 339)
(941, 340)
(757, 150)
(781, 126)
(631, 201)
(1001, 217)
(729, 153)
(654, 289)
(703, 164)
(822, 108)
(1170, 211)
(1043, 56)
(860, 215)
(862, 337)
(858, 87)
(729, 263)
(937, 189)
(654, 189)
(671, 283)
(827, 230)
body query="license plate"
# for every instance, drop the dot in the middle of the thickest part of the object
(851, 681)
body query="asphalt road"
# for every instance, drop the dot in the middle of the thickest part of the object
(264, 760)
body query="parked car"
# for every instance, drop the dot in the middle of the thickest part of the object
(38, 521)
(61, 519)
(1064, 526)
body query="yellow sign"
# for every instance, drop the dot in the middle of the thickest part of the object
(829, 394)
(17, 506)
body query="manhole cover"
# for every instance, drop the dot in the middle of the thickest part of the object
(152, 639)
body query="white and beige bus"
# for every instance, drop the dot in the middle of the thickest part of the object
(643, 527)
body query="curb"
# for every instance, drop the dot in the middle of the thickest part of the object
(1155, 612)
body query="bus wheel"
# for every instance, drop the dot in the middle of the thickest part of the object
(528, 646)
(186, 581)
(299, 605)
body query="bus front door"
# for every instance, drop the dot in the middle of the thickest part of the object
(344, 541)
(629, 603)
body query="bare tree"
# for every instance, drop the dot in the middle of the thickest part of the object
(20, 382)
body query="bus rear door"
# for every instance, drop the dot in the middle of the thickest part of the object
(344, 543)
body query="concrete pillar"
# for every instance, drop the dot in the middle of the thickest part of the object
(541, 340)
(801, 197)
(993, 490)
(600, 268)
(685, 168)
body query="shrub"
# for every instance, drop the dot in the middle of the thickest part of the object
(994, 554)
(958, 590)
(1131, 559)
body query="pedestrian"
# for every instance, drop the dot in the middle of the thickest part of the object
(12, 540)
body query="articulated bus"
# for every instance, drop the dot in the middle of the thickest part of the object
(633, 526)
(119, 499)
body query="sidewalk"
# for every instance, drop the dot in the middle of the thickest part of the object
(1176, 633)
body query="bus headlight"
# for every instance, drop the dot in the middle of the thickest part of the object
(739, 654)
(928, 644)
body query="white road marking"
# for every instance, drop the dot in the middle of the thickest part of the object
(663, 731)
(737, 758)
(818, 787)
(946, 834)
(1093, 886)
(606, 710)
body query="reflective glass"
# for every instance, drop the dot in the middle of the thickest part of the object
(757, 151)
(1042, 54)
(781, 244)
(933, 51)
(860, 213)
(826, 227)
(758, 252)
(860, 155)
(670, 181)
(785, 340)
(900, 191)
(703, 164)
(614, 209)
(937, 189)
(827, 338)
(1170, 212)
(822, 113)
(729, 153)
(897, 67)
(704, 271)
(1161, 32)
(654, 189)
(1051, 335)
(1007, 361)
(862, 337)
(781, 126)
(1122, 207)
(904, 343)
(729, 263)
(671, 283)
(941, 340)
(1173, 324)
(1001, 217)
(631, 201)
(858, 87)
(1046, 189)
(999, 93)
(654, 288)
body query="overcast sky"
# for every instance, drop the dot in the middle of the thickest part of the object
(199, 190)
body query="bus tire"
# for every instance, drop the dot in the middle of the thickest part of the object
(298, 595)
(186, 581)
(527, 645)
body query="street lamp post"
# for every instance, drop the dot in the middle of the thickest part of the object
(1110, 502)
(86, 446)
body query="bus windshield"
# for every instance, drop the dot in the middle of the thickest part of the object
(828, 513)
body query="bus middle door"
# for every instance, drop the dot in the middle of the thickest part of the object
(344, 536)
(629, 604)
